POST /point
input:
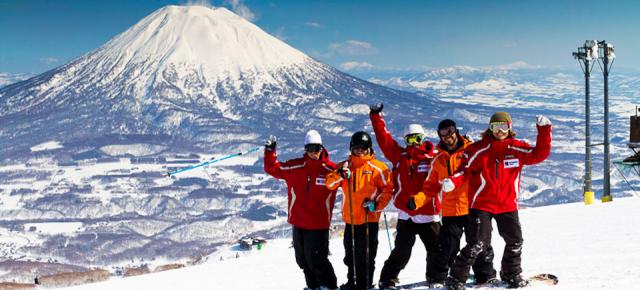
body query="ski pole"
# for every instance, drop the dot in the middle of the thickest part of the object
(366, 245)
(386, 225)
(345, 165)
(169, 174)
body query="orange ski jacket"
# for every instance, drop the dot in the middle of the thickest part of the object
(370, 180)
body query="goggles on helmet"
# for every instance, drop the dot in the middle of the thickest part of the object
(446, 132)
(500, 126)
(413, 139)
(312, 148)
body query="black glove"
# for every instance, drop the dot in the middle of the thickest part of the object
(411, 205)
(369, 205)
(376, 108)
(270, 143)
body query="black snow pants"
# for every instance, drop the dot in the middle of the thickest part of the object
(406, 236)
(360, 242)
(449, 241)
(312, 250)
(480, 238)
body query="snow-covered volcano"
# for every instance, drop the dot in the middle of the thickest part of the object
(195, 72)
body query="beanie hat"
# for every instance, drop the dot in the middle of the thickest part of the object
(312, 137)
(501, 117)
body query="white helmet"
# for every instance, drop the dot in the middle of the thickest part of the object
(413, 129)
(312, 137)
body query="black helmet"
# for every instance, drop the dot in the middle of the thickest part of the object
(360, 139)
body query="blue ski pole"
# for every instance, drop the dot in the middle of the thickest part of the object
(169, 174)
(387, 226)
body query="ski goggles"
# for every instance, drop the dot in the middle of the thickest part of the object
(413, 139)
(446, 132)
(312, 148)
(499, 126)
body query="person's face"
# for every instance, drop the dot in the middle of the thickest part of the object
(448, 136)
(359, 151)
(500, 130)
(500, 135)
(313, 151)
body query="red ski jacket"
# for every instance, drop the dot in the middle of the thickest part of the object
(493, 169)
(410, 168)
(310, 203)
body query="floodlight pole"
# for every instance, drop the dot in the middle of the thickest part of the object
(606, 195)
(584, 59)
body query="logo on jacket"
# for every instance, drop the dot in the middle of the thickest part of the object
(511, 163)
(367, 172)
(320, 180)
(423, 167)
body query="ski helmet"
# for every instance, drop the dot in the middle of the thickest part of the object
(413, 129)
(360, 139)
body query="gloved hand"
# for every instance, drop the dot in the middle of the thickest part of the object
(542, 120)
(416, 201)
(376, 108)
(270, 143)
(369, 205)
(447, 185)
(345, 173)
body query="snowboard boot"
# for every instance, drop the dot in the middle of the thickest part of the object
(489, 282)
(454, 284)
(388, 285)
(435, 283)
(348, 286)
(516, 282)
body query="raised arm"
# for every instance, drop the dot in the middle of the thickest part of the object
(543, 143)
(390, 148)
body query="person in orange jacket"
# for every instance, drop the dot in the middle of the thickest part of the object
(367, 188)
(455, 206)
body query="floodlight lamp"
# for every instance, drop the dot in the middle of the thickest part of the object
(590, 43)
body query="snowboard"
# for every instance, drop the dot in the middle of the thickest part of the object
(535, 280)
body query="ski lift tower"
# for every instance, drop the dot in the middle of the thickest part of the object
(607, 56)
(586, 55)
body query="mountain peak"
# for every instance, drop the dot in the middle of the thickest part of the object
(216, 40)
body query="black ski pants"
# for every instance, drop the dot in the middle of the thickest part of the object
(449, 240)
(360, 241)
(406, 232)
(480, 238)
(312, 250)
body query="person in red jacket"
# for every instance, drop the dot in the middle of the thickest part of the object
(411, 166)
(493, 170)
(310, 206)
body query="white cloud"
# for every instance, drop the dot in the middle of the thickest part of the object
(49, 60)
(204, 3)
(354, 65)
(351, 47)
(241, 9)
(314, 24)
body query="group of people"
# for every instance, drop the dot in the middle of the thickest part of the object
(440, 192)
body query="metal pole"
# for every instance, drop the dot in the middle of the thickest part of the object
(587, 140)
(606, 195)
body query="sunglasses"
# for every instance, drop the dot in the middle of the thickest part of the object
(413, 139)
(500, 126)
(313, 148)
(447, 132)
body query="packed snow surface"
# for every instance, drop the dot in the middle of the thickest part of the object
(587, 247)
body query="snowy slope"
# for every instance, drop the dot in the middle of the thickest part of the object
(587, 247)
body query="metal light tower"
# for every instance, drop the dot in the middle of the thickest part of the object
(585, 56)
(607, 56)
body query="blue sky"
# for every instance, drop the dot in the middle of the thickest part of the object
(353, 35)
